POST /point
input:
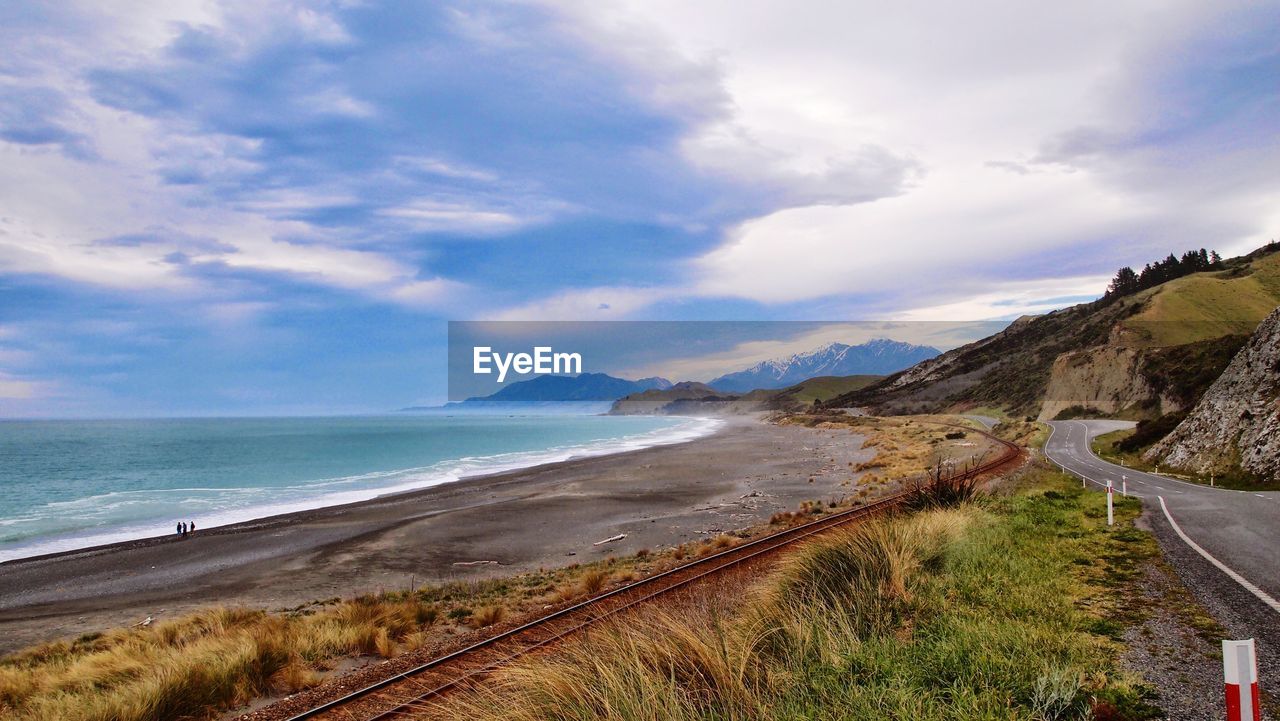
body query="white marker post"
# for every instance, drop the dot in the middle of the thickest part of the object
(1240, 668)
(1111, 519)
(1124, 486)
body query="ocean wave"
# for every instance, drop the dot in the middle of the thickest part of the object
(99, 516)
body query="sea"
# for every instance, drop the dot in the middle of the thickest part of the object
(70, 484)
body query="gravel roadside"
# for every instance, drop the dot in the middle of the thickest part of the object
(1177, 649)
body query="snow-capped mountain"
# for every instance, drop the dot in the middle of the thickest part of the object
(880, 356)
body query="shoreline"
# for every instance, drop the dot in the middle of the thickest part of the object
(545, 516)
(584, 452)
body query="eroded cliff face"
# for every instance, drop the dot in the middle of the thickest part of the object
(1236, 425)
(1144, 382)
(1106, 379)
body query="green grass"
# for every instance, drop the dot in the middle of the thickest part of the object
(1006, 609)
(826, 387)
(1209, 305)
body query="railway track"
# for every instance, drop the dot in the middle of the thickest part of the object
(405, 693)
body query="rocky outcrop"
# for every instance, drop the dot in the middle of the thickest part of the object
(1236, 425)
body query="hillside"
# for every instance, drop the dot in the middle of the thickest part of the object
(669, 401)
(697, 398)
(553, 388)
(824, 388)
(879, 356)
(1205, 305)
(1236, 425)
(1140, 355)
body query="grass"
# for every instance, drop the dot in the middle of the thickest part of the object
(1117, 447)
(1209, 305)
(1004, 609)
(197, 666)
(903, 445)
(826, 387)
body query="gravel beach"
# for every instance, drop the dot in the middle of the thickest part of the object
(544, 516)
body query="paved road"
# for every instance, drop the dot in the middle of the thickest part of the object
(1234, 572)
(1239, 528)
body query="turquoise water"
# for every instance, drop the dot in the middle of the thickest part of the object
(72, 484)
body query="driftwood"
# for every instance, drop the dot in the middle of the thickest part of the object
(476, 563)
(611, 539)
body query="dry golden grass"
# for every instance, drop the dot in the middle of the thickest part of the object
(594, 580)
(196, 666)
(488, 616)
(904, 445)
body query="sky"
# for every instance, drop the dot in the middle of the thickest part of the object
(246, 208)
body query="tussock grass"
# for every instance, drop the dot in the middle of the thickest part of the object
(488, 616)
(594, 581)
(210, 660)
(980, 612)
(198, 665)
(903, 445)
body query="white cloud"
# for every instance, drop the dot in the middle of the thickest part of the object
(429, 216)
(1011, 299)
(960, 223)
(976, 140)
(438, 166)
(112, 217)
(435, 292)
(14, 388)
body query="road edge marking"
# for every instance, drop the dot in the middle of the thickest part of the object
(1262, 595)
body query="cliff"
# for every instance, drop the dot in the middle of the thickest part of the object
(1236, 424)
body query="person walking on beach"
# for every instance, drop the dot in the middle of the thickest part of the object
(182, 528)
(179, 527)
(191, 526)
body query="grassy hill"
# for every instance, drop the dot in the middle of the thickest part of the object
(825, 388)
(1209, 305)
(690, 397)
(1178, 335)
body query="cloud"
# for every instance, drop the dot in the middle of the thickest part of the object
(960, 224)
(14, 388)
(279, 165)
(603, 303)
(906, 147)
(1013, 299)
(435, 216)
(429, 292)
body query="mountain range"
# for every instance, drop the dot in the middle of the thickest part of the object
(880, 356)
(582, 387)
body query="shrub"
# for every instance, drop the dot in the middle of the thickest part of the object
(593, 580)
(488, 616)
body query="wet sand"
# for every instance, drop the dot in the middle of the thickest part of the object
(544, 516)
